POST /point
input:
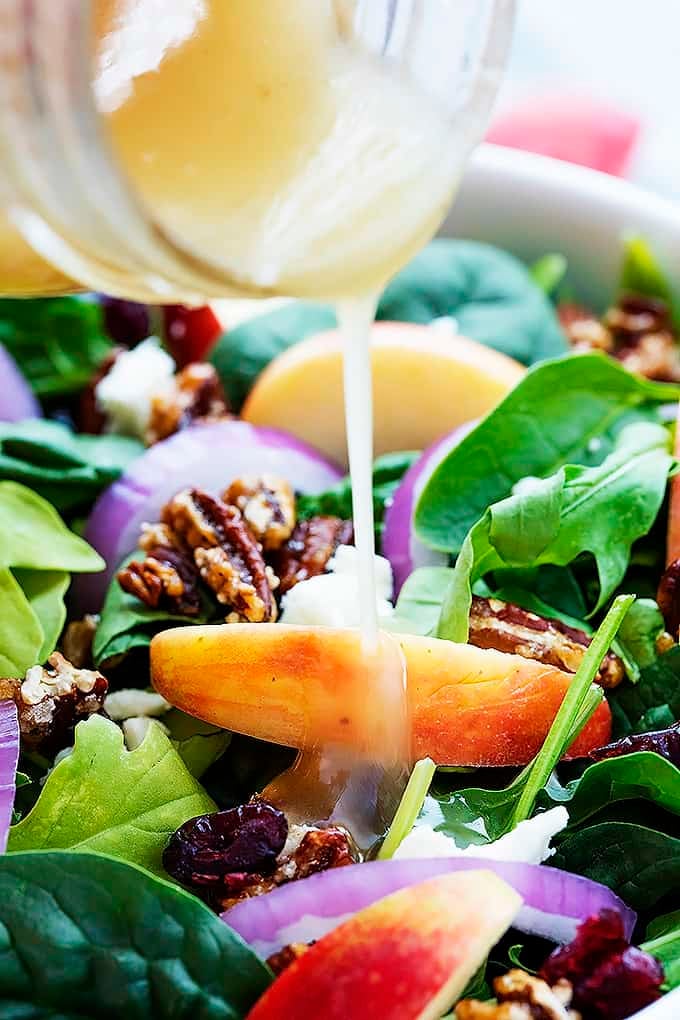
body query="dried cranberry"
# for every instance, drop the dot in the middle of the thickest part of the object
(126, 322)
(663, 742)
(246, 839)
(611, 979)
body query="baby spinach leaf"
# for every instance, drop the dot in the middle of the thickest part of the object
(126, 623)
(642, 865)
(640, 630)
(599, 510)
(87, 936)
(489, 293)
(472, 817)
(35, 536)
(244, 352)
(21, 634)
(549, 272)
(651, 704)
(566, 411)
(420, 599)
(67, 469)
(57, 342)
(663, 942)
(45, 590)
(106, 798)
(642, 274)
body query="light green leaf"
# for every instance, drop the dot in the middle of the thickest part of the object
(549, 272)
(409, 807)
(105, 798)
(35, 536)
(21, 635)
(663, 942)
(640, 630)
(198, 743)
(642, 274)
(45, 590)
(420, 601)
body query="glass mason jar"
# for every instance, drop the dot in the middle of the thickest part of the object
(175, 150)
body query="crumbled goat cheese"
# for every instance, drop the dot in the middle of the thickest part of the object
(124, 395)
(128, 703)
(529, 842)
(332, 600)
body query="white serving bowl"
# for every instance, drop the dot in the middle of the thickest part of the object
(531, 205)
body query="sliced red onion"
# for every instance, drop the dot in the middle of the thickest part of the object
(555, 902)
(399, 543)
(9, 757)
(17, 400)
(203, 456)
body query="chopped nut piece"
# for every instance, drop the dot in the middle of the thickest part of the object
(508, 628)
(668, 598)
(196, 394)
(522, 997)
(76, 642)
(51, 701)
(225, 551)
(278, 962)
(310, 547)
(268, 506)
(167, 578)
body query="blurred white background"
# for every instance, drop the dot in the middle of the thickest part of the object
(626, 52)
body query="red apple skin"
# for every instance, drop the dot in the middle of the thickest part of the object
(406, 957)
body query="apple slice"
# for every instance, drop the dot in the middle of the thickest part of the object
(284, 683)
(426, 382)
(406, 957)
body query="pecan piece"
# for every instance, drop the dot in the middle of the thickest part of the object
(196, 394)
(51, 701)
(76, 642)
(508, 628)
(668, 598)
(585, 332)
(268, 506)
(278, 962)
(309, 548)
(521, 997)
(167, 578)
(226, 553)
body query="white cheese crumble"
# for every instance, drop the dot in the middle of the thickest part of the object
(332, 599)
(128, 703)
(124, 395)
(529, 842)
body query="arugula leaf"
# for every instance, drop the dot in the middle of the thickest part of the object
(35, 536)
(489, 293)
(651, 704)
(566, 411)
(126, 623)
(106, 798)
(663, 942)
(243, 353)
(642, 865)
(67, 469)
(45, 590)
(87, 936)
(21, 634)
(549, 272)
(601, 510)
(642, 274)
(639, 632)
(57, 342)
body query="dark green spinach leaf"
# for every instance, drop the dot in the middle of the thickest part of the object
(566, 411)
(639, 632)
(86, 936)
(57, 342)
(651, 704)
(489, 293)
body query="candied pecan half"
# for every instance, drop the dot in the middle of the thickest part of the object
(167, 577)
(268, 506)
(226, 553)
(508, 628)
(668, 598)
(76, 642)
(196, 394)
(521, 997)
(278, 962)
(585, 332)
(309, 548)
(51, 701)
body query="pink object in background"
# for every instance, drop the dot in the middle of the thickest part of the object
(577, 130)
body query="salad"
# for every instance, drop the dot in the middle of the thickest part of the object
(177, 563)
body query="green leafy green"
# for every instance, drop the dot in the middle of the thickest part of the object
(639, 632)
(420, 600)
(651, 704)
(489, 293)
(388, 471)
(57, 342)
(126, 623)
(472, 817)
(198, 744)
(244, 352)
(566, 411)
(87, 936)
(36, 555)
(663, 942)
(67, 469)
(600, 510)
(549, 272)
(642, 274)
(103, 797)
(641, 864)
(409, 808)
